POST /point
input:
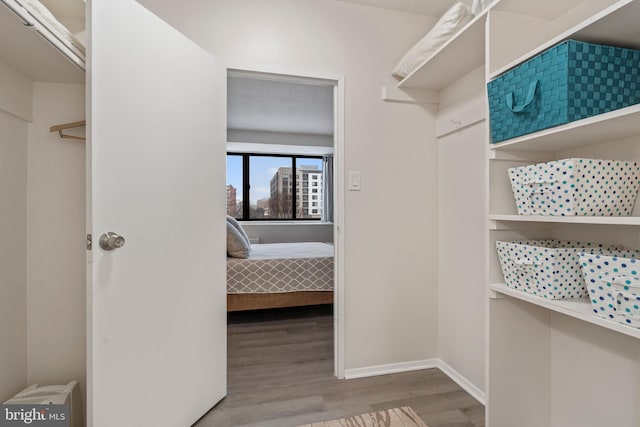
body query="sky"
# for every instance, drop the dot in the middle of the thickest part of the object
(262, 169)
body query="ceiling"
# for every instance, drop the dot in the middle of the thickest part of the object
(422, 7)
(267, 105)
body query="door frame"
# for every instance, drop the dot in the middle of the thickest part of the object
(338, 82)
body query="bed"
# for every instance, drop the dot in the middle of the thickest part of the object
(277, 275)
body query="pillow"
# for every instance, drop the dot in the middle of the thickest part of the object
(454, 19)
(478, 6)
(237, 225)
(237, 247)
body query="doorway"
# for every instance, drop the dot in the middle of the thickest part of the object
(285, 135)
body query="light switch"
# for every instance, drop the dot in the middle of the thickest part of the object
(354, 180)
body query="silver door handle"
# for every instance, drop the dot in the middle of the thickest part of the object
(110, 241)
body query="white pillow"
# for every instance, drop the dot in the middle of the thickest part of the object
(478, 6)
(237, 225)
(237, 247)
(454, 19)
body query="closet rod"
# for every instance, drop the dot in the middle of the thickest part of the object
(64, 126)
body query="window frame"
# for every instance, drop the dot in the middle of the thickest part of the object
(246, 185)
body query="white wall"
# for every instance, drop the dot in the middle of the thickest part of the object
(55, 238)
(390, 226)
(15, 96)
(462, 209)
(258, 137)
(289, 233)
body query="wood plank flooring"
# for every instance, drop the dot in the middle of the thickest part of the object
(280, 374)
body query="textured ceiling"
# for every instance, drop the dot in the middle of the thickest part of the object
(422, 7)
(277, 106)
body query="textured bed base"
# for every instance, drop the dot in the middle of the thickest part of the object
(240, 302)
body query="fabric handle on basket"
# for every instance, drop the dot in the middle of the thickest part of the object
(619, 295)
(525, 263)
(627, 281)
(550, 180)
(528, 100)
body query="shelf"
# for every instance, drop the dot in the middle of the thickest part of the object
(594, 220)
(24, 49)
(618, 124)
(537, 9)
(616, 26)
(461, 54)
(576, 308)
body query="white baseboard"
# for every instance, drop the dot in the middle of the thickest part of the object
(392, 368)
(416, 365)
(462, 381)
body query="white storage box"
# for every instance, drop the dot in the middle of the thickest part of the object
(548, 268)
(68, 394)
(570, 187)
(614, 287)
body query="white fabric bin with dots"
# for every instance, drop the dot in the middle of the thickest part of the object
(549, 268)
(614, 286)
(569, 187)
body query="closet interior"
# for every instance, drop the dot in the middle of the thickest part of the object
(42, 180)
(547, 360)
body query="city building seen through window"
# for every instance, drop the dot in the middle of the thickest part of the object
(274, 187)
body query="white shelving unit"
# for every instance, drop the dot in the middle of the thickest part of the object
(579, 308)
(614, 125)
(550, 363)
(595, 220)
(546, 357)
(466, 49)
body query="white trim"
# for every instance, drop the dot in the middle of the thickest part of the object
(463, 382)
(338, 229)
(416, 365)
(338, 80)
(257, 148)
(392, 368)
(290, 74)
(292, 223)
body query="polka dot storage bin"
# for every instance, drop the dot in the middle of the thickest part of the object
(548, 268)
(585, 187)
(614, 286)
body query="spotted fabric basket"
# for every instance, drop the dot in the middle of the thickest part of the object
(614, 286)
(584, 187)
(548, 268)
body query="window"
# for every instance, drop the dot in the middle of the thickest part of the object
(273, 187)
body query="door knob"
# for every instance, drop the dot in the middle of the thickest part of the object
(110, 241)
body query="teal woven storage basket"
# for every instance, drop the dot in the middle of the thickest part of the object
(570, 81)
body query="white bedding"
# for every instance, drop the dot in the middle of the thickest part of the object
(282, 267)
(448, 25)
(291, 250)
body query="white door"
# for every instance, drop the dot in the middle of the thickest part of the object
(156, 156)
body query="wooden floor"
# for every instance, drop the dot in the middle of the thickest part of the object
(280, 374)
